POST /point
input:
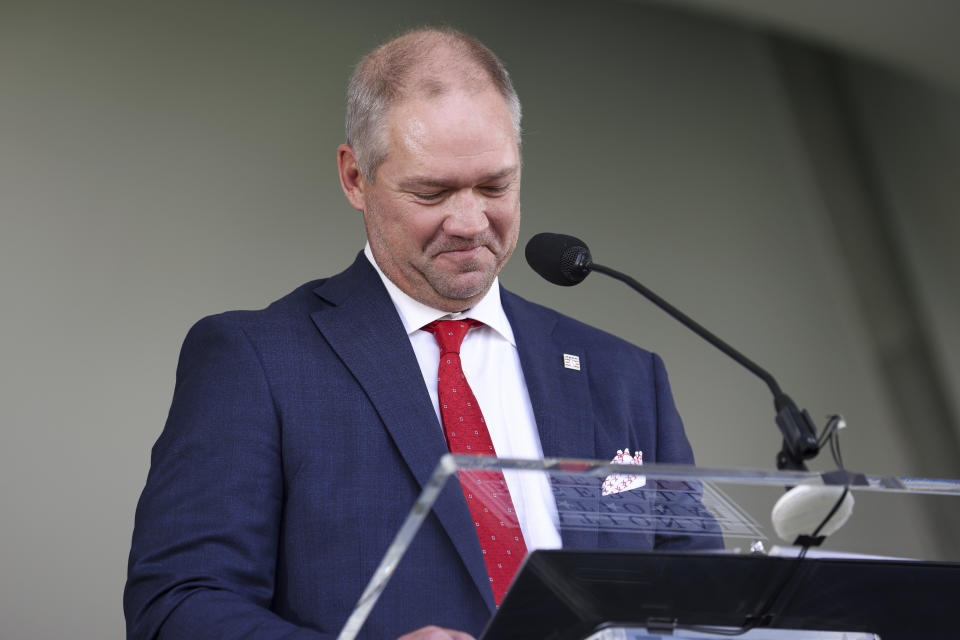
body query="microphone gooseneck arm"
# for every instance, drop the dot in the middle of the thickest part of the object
(692, 324)
(796, 426)
(565, 260)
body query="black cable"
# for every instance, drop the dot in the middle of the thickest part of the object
(832, 434)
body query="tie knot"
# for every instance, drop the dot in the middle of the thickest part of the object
(450, 333)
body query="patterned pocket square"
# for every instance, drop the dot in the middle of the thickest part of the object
(620, 482)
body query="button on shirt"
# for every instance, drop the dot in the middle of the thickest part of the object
(491, 365)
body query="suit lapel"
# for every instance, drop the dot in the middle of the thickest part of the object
(363, 328)
(560, 396)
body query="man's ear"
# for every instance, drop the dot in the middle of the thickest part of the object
(351, 180)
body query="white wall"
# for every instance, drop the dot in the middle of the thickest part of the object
(914, 134)
(165, 161)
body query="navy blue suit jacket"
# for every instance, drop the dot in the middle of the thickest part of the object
(298, 437)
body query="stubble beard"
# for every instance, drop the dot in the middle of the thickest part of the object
(447, 284)
(471, 278)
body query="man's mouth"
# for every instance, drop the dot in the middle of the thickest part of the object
(463, 252)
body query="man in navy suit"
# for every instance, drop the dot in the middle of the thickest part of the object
(299, 435)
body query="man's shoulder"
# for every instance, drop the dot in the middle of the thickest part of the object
(297, 305)
(238, 333)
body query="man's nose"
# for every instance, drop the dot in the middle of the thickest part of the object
(467, 216)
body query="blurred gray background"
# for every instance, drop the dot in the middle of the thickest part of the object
(786, 172)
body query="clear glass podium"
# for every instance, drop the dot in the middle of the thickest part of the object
(673, 551)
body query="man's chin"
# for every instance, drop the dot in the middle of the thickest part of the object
(464, 286)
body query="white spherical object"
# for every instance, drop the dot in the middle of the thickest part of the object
(801, 510)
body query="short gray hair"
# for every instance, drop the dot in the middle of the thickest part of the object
(395, 70)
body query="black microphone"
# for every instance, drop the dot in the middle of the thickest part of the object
(566, 261)
(563, 260)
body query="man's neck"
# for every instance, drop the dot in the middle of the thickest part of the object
(415, 314)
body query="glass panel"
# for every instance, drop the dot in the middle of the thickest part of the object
(598, 505)
(753, 634)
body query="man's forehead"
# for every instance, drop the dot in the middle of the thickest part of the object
(464, 99)
(448, 156)
(471, 129)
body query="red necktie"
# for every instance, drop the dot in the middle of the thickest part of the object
(486, 491)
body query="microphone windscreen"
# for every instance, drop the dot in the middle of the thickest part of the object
(559, 258)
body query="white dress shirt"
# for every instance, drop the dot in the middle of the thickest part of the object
(491, 365)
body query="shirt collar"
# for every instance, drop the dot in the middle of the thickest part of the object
(414, 314)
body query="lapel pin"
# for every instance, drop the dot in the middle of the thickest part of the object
(571, 362)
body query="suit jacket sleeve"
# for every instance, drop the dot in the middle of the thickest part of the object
(672, 444)
(204, 550)
(685, 503)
